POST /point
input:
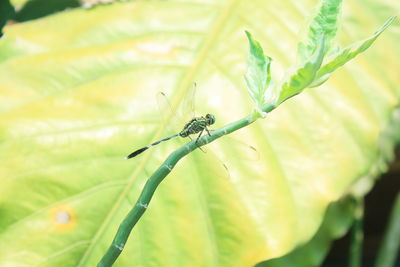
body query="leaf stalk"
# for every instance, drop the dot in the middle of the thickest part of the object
(157, 177)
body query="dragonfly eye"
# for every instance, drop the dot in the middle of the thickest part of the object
(210, 119)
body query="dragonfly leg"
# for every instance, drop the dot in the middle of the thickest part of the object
(208, 131)
(198, 137)
(201, 149)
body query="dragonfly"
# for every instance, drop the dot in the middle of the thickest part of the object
(196, 125)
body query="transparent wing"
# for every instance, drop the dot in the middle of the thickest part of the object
(229, 147)
(241, 149)
(187, 108)
(176, 114)
(168, 118)
(245, 154)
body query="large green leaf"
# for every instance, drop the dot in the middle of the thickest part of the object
(78, 94)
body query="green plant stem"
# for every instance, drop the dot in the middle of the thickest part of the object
(150, 187)
(388, 251)
(357, 235)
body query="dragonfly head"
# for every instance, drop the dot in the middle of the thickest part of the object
(210, 119)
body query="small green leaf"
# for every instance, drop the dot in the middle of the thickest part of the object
(342, 57)
(304, 74)
(324, 23)
(258, 75)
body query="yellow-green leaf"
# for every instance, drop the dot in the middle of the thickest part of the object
(77, 94)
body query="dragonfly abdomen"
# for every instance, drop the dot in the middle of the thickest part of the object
(141, 150)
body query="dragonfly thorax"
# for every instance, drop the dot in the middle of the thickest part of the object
(197, 125)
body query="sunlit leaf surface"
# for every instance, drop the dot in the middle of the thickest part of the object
(78, 93)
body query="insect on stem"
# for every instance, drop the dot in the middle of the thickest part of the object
(194, 126)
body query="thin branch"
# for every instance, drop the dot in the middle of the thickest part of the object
(158, 176)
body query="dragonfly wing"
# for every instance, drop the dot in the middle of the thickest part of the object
(187, 108)
(175, 114)
(169, 120)
(243, 151)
